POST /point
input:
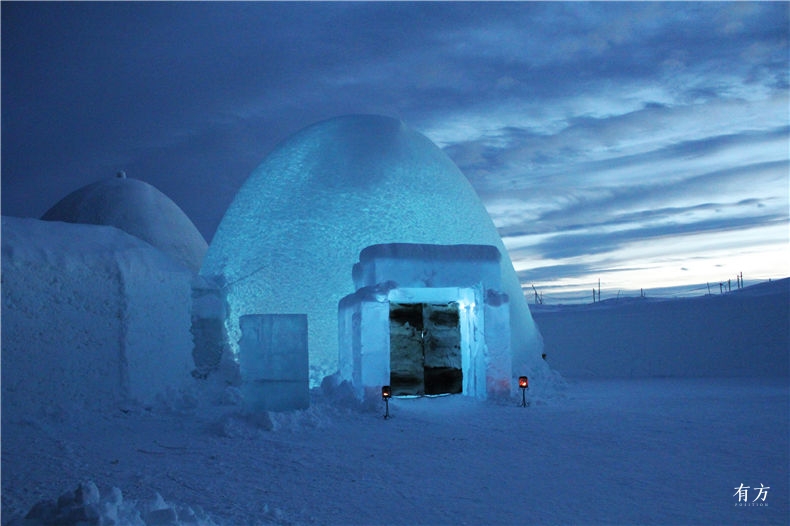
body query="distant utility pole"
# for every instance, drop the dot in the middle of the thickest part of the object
(538, 297)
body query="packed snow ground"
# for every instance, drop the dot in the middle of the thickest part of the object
(650, 451)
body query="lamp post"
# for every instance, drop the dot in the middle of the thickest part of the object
(523, 383)
(386, 394)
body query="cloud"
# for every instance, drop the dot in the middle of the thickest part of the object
(565, 117)
(582, 242)
(550, 273)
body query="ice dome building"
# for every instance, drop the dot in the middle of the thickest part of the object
(369, 229)
(138, 209)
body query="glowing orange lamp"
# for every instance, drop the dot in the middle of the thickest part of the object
(523, 383)
(386, 394)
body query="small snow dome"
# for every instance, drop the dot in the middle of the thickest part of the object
(138, 209)
(289, 241)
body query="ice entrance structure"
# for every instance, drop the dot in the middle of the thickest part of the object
(427, 320)
(294, 231)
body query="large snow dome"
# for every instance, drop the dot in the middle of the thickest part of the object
(138, 209)
(294, 231)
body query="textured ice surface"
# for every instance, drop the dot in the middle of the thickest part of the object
(273, 361)
(138, 209)
(289, 240)
(411, 265)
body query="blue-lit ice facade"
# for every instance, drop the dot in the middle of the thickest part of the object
(273, 362)
(290, 238)
(466, 276)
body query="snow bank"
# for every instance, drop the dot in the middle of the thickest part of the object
(92, 317)
(85, 505)
(742, 333)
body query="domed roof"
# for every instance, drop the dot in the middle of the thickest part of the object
(138, 209)
(289, 240)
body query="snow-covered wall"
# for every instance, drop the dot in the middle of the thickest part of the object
(742, 333)
(91, 317)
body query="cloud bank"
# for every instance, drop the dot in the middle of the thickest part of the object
(643, 144)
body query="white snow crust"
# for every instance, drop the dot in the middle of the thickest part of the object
(655, 451)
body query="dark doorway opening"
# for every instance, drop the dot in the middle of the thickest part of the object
(425, 349)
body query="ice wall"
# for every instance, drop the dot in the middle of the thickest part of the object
(290, 238)
(273, 361)
(92, 317)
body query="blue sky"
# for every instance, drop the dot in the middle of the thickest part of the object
(643, 144)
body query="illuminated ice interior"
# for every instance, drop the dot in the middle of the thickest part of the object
(427, 320)
(290, 238)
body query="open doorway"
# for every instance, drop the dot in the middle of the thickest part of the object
(425, 349)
